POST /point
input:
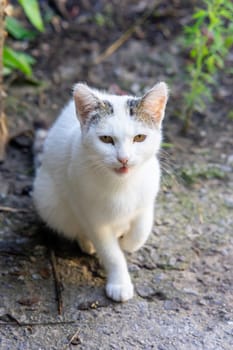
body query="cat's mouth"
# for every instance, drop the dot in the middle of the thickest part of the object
(122, 170)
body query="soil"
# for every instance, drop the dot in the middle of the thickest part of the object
(51, 294)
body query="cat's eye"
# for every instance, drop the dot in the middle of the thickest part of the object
(139, 138)
(106, 139)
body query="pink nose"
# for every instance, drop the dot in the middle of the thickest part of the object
(123, 161)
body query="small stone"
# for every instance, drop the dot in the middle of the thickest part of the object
(230, 160)
(134, 268)
(229, 203)
(21, 278)
(202, 302)
(32, 259)
(170, 305)
(76, 341)
(203, 133)
(135, 88)
(36, 276)
(4, 187)
(145, 291)
(28, 301)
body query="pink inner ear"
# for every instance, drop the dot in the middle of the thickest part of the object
(83, 106)
(155, 107)
(85, 102)
(153, 104)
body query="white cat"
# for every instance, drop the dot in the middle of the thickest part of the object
(100, 175)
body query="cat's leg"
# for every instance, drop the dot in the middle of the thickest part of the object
(119, 286)
(139, 231)
(53, 209)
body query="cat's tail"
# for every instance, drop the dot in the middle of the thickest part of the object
(41, 131)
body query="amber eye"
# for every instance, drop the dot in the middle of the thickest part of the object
(106, 139)
(139, 138)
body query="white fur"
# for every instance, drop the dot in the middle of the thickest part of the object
(78, 193)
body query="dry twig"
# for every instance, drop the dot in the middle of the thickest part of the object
(119, 42)
(35, 324)
(74, 340)
(12, 210)
(57, 281)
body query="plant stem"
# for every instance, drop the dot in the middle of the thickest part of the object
(193, 87)
(3, 121)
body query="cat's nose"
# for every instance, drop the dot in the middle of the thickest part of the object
(123, 161)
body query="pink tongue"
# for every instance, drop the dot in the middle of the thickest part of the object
(123, 170)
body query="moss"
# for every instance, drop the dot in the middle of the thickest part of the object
(194, 174)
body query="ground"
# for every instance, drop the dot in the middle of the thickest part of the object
(52, 295)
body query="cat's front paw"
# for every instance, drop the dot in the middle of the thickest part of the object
(119, 292)
(86, 246)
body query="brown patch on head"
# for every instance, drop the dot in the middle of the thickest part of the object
(152, 106)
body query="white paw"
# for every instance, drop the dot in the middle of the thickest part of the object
(86, 246)
(119, 292)
(128, 245)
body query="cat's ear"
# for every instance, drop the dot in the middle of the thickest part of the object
(153, 103)
(85, 101)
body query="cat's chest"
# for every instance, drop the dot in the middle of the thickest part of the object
(121, 203)
(100, 201)
(116, 210)
(116, 203)
(108, 204)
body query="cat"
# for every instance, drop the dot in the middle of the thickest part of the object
(100, 175)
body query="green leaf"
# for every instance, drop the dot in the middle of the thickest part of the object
(17, 60)
(32, 11)
(7, 71)
(193, 53)
(17, 30)
(167, 145)
(219, 61)
(230, 115)
(226, 14)
(200, 14)
(204, 51)
(210, 63)
(229, 6)
(228, 42)
(26, 57)
(100, 19)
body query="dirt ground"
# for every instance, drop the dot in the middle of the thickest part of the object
(52, 295)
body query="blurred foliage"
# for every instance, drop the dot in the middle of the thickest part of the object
(17, 60)
(192, 175)
(209, 38)
(32, 11)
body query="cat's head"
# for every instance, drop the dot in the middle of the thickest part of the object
(120, 133)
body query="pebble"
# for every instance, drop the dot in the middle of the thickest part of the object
(202, 302)
(135, 88)
(170, 305)
(21, 278)
(191, 291)
(32, 258)
(4, 188)
(133, 268)
(229, 203)
(230, 160)
(21, 177)
(158, 278)
(36, 276)
(2, 311)
(145, 291)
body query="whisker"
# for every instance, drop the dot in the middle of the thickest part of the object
(171, 175)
